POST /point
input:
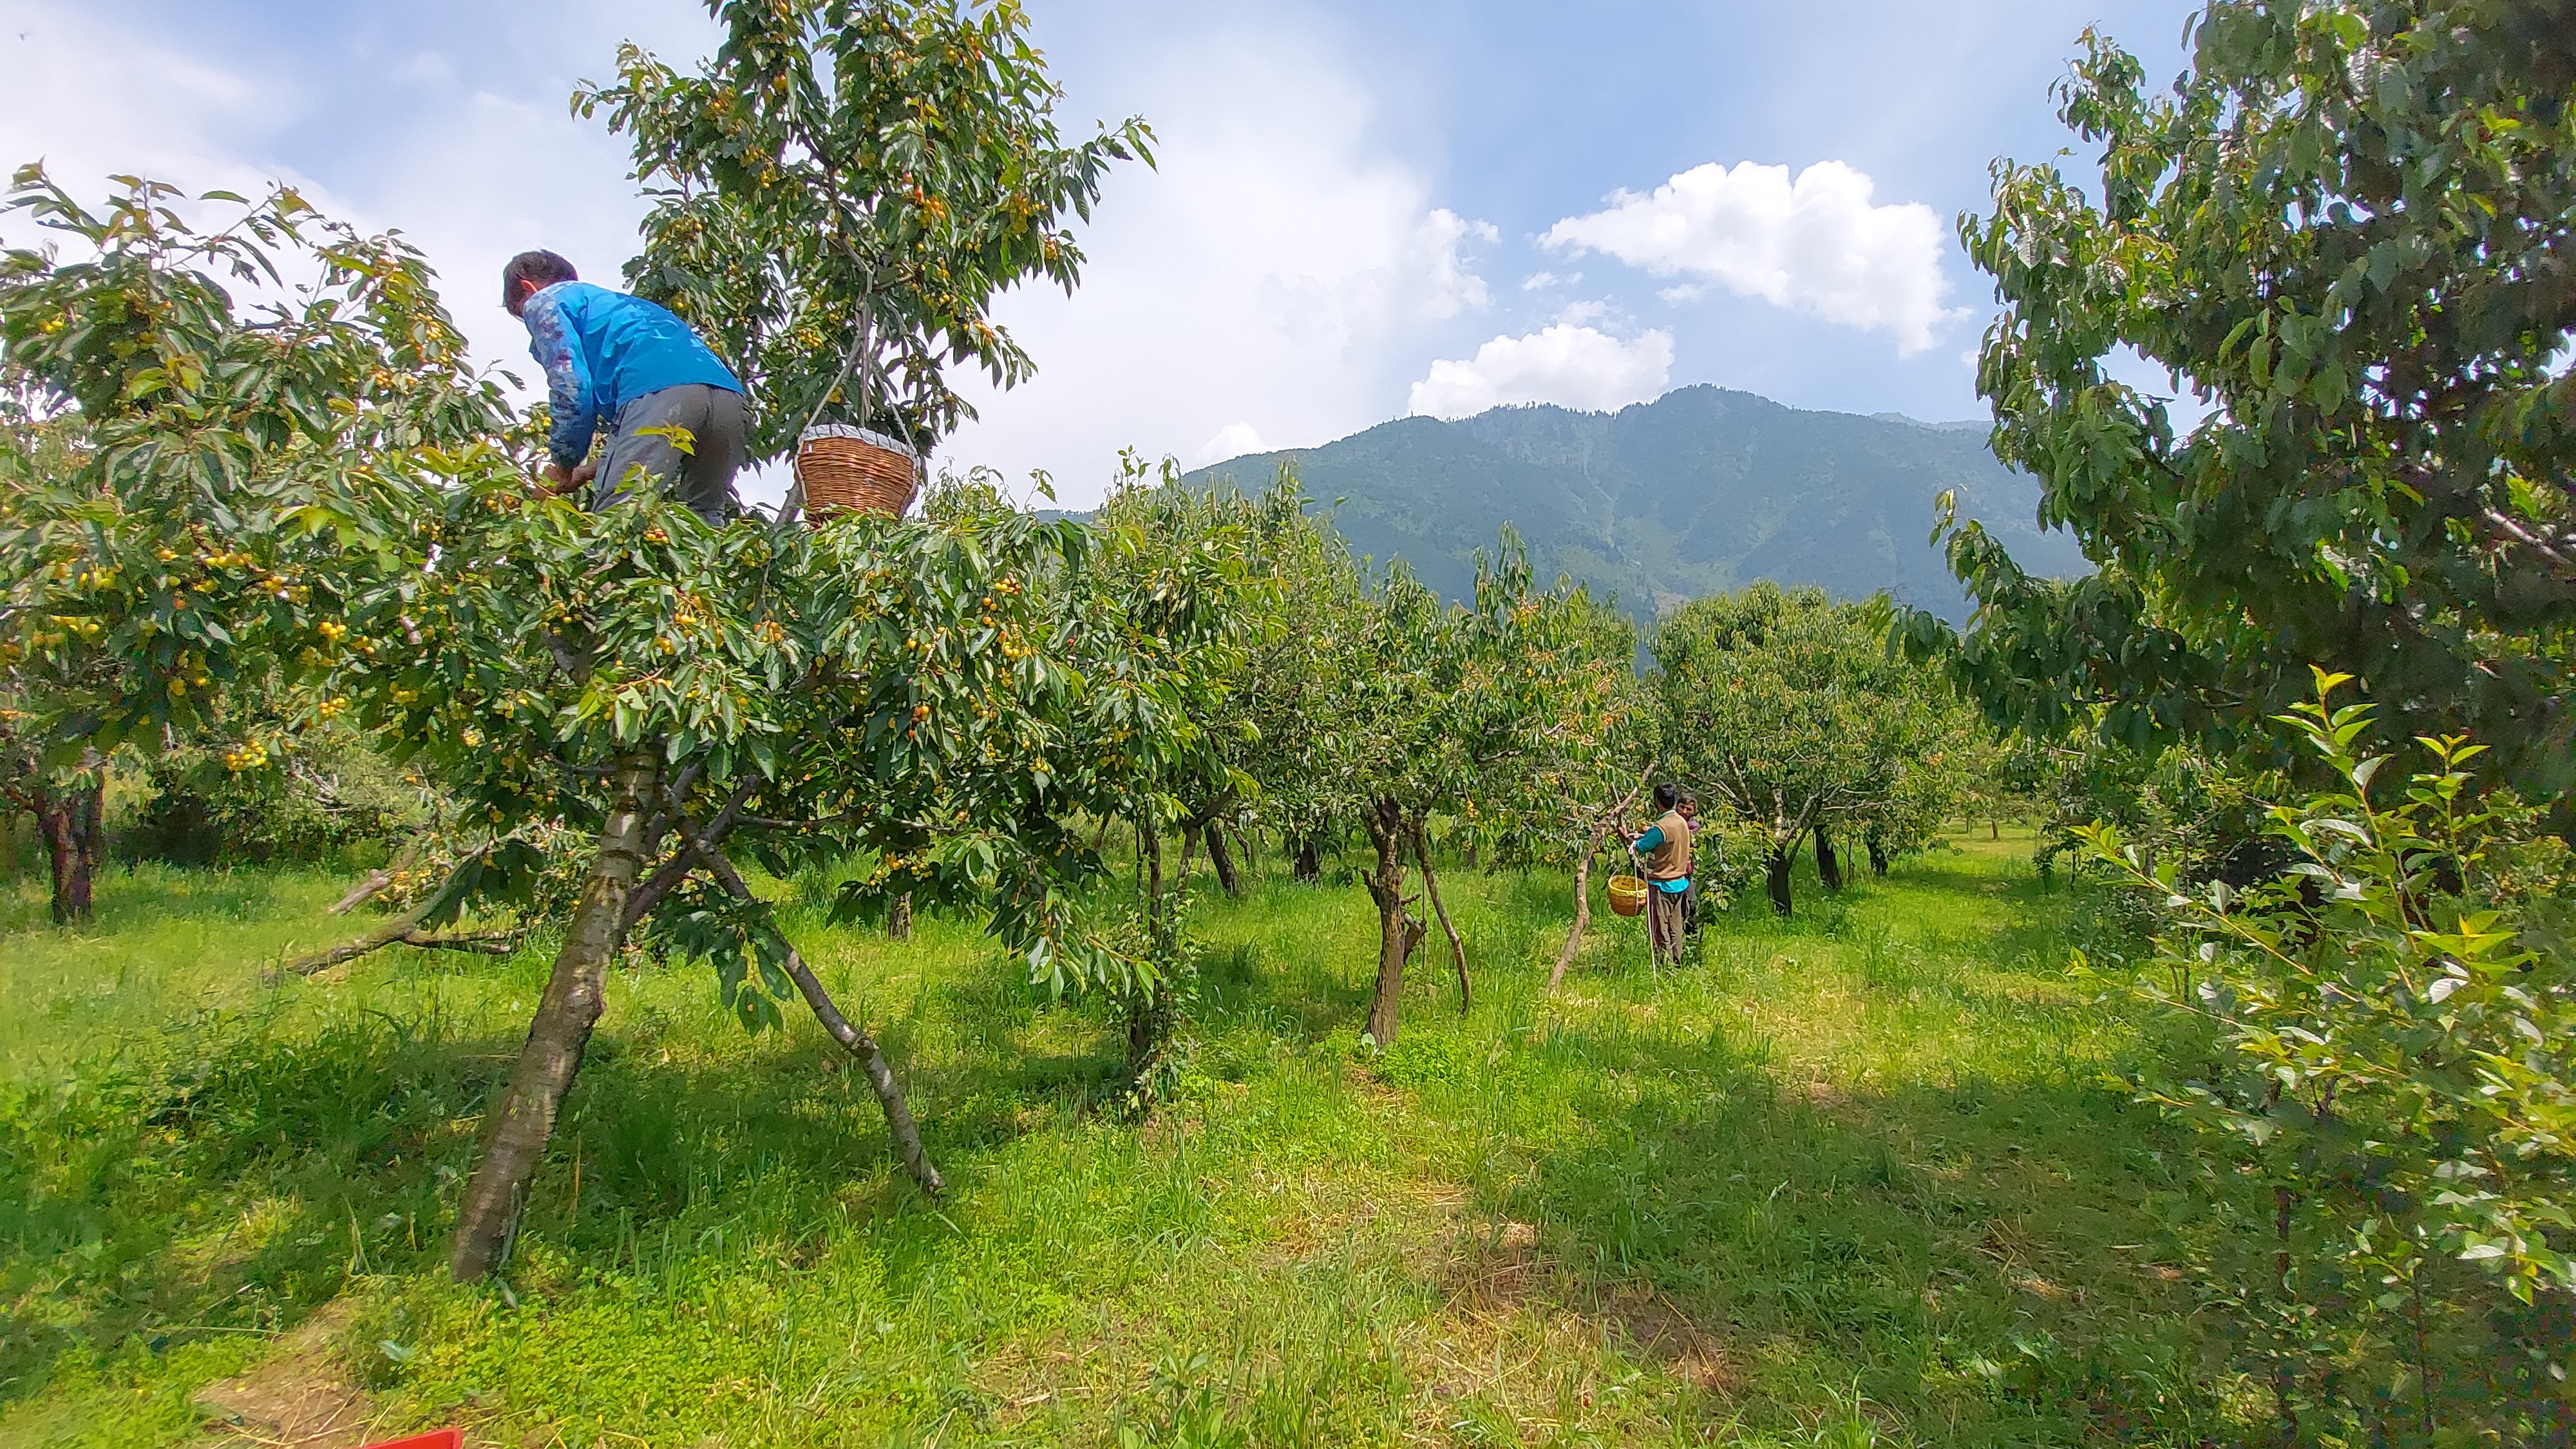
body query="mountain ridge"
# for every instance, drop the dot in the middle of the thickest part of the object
(1700, 491)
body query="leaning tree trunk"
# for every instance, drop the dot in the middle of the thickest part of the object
(1223, 861)
(1397, 931)
(71, 821)
(898, 1113)
(557, 1037)
(1431, 888)
(1829, 864)
(1775, 871)
(1582, 909)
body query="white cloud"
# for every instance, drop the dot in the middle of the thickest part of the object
(471, 169)
(1816, 243)
(1451, 287)
(1280, 262)
(91, 98)
(1565, 363)
(1234, 440)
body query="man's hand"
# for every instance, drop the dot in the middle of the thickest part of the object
(561, 480)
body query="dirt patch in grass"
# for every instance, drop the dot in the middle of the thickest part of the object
(302, 1397)
(1500, 1272)
(1663, 1334)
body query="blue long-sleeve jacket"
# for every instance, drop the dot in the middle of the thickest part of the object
(602, 350)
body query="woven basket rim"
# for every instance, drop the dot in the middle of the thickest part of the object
(869, 436)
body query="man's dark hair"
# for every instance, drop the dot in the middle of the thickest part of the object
(543, 268)
(1667, 795)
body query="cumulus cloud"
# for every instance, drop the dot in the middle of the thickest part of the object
(1816, 243)
(1449, 287)
(1234, 440)
(1567, 363)
(1278, 271)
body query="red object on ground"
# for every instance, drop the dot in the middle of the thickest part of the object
(435, 1439)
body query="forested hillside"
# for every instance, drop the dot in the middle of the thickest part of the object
(1699, 492)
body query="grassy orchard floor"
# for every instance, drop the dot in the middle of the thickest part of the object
(1853, 1177)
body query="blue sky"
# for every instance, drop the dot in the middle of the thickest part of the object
(1362, 209)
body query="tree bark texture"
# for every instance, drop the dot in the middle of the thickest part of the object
(404, 933)
(525, 1116)
(1829, 862)
(1149, 1015)
(1398, 931)
(1582, 910)
(1775, 873)
(898, 1113)
(377, 882)
(899, 918)
(1431, 888)
(70, 819)
(1223, 861)
(1309, 868)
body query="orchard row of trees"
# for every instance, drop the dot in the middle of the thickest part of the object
(245, 530)
(257, 492)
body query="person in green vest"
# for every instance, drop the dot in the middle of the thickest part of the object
(1663, 851)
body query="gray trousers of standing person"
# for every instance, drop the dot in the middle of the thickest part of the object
(702, 475)
(1664, 922)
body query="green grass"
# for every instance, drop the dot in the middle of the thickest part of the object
(1849, 1178)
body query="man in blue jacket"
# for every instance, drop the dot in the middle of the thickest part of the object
(620, 360)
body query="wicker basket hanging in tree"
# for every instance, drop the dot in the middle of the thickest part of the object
(1627, 895)
(842, 468)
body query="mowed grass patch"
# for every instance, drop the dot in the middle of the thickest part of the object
(1846, 1178)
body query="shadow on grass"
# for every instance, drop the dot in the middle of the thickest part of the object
(247, 1177)
(1981, 1254)
(139, 896)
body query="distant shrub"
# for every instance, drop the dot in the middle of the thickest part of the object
(192, 809)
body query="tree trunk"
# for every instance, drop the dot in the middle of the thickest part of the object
(525, 1117)
(1877, 854)
(1149, 1013)
(1582, 910)
(898, 1113)
(1431, 888)
(1309, 869)
(1829, 864)
(899, 918)
(70, 820)
(1776, 874)
(1223, 861)
(1397, 931)
(1189, 851)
